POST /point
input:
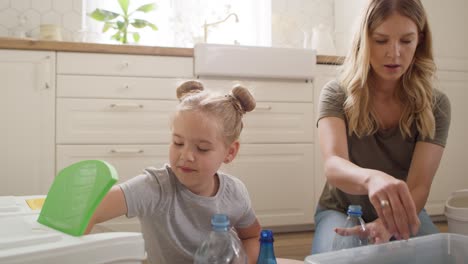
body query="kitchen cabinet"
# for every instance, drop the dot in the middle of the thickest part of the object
(451, 175)
(325, 73)
(27, 115)
(117, 108)
(276, 157)
(447, 21)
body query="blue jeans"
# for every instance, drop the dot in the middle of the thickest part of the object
(326, 221)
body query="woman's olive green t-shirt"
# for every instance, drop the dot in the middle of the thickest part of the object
(387, 151)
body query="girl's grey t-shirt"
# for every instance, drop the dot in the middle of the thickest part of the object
(175, 221)
(387, 151)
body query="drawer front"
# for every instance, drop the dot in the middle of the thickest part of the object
(279, 123)
(272, 91)
(271, 172)
(124, 65)
(107, 121)
(87, 86)
(128, 160)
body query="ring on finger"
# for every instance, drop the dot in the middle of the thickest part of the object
(384, 203)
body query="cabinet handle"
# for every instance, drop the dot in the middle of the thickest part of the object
(43, 72)
(125, 64)
(126, 151)
(263, 108)
(115, 106)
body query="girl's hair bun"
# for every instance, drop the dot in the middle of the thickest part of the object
(245, 98)
(188, 87)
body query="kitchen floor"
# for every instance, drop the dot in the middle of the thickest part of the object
(297, 245)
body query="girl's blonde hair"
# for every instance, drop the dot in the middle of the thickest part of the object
(416, 87)
(227, 109)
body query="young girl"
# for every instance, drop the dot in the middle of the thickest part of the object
(175, 203)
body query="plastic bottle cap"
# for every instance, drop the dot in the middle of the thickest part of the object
(354, 210)
(220, 221)
(266, 236)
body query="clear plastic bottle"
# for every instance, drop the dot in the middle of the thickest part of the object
(221, 246)
(360, 238)
(267, 253)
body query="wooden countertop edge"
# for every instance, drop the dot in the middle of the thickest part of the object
(32, 44)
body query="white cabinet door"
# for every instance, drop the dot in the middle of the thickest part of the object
(448, 21)
(452, 173)
(279, 178)
(128, 160)
(27, 116)
(113, 121)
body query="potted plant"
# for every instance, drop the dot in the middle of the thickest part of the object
(120, 22)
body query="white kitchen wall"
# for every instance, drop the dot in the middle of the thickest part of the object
(66, 13)
(290, 18)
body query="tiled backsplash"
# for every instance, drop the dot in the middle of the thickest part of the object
(292, 21)
(66, 13)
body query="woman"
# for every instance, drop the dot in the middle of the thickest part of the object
(382, 128)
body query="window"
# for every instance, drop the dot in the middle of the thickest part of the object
(181, 22)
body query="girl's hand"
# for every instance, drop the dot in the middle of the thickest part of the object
(394, 205)
(375, 232)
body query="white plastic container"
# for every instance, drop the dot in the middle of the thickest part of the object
(24, 240)
(456, 211)
(433, 249)
(14, 205)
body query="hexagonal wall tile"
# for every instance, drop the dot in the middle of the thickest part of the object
(42, 5)
(4, 32)
(4, 4)
(51, 17)
(21, 4)
(9, 18)
(62, 6)
(72, 21)
(33, 18)
(78, 6)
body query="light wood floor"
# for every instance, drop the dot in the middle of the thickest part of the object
(298, 245)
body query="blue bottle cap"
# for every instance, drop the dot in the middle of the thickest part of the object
(266, 236)
(220, 221)
(354, 210)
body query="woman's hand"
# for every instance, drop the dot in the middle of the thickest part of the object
(394, 205)
(375, 232)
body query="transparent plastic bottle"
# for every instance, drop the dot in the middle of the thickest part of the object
(360, 238)
(221, 246)
(267, 253)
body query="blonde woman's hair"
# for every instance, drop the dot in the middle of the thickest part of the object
(416, 87)
(227, 109)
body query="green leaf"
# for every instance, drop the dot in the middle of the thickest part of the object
(108, 25)
(103, 15)
(147, 8)
(124, 6)
(136, 37)
(153, 26)
(141, 23)
(116, 36)
(120, 25)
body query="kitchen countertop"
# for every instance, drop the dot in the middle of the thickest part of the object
(31, 44)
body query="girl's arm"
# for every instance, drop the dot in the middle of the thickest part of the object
(111, 206)
(352, 179)
(250, 239)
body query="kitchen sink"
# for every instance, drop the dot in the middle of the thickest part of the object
(253, 62)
